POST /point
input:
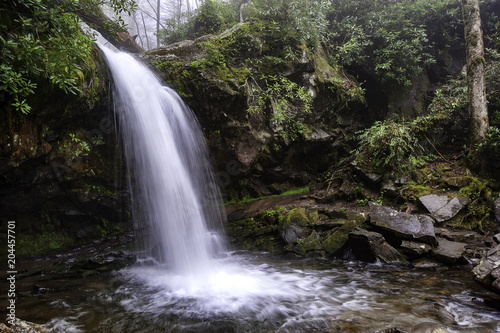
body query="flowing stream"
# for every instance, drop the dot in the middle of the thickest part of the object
(187, 281)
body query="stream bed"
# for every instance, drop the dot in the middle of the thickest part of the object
(257, 292)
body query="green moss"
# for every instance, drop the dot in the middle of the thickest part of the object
(413, 190)
(107, 229)
(297, 216)
(37, 244)
(249, 199)
(242, 74)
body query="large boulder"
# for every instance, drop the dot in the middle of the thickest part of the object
(369, 245)
(403, 225)
(294, 226)
(443, 208)
(487, 272)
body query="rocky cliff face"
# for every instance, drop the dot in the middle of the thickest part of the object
(273, 118)
(60, 167)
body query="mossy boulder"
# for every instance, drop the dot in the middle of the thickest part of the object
(295, 225)
(336, 239)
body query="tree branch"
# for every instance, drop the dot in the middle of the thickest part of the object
(113, 33)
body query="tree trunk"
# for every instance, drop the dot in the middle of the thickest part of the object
(145, 30)
(138, 30)
(478, 107)
(120, 39)
(158, 17)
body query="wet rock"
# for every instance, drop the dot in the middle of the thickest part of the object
(310, 246)
(449, 252)
(368, 245)
(294, 226)
(403, 225)
(415, 248)
(441, 207)
(496, 209)
(336, 239)
(487, 272)
(426, 263)
(22, 326)
(103, 262)
(237, 215)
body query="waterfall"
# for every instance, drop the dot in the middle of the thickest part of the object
(173, 186)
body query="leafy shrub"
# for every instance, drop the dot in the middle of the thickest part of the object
(392, 145)
(282, 95)
(43, 40)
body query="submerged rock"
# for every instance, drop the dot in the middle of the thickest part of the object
(403, 225)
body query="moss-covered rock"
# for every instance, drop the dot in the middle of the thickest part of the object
(336, 239)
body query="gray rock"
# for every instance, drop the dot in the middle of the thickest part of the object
(433, 203)
(496, 238)
(293, 233)
(487, 272)
(462, 236)
(415, 248)
(361, 240)
(441, 207)
(371, 177)
(496, 209)
(403, 225)
(449, 252)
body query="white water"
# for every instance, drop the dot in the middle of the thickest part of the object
(173, 188)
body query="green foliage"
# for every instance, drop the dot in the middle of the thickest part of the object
(212, 17)
(396, 145)
(396, 40)
(282, 96)
(491, 145)
(42, 40)
(299, 20)
(74, 147)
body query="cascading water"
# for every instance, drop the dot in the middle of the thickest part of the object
(173, 181)
(192, 291)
